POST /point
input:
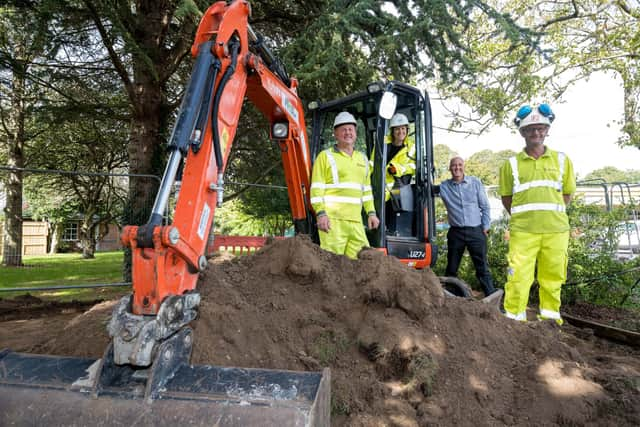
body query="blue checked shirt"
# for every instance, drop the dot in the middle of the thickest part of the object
(466, 202)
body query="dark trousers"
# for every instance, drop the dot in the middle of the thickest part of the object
(474, 240)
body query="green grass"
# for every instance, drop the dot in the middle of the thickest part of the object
(65, 269)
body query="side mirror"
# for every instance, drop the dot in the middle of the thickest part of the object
(388, 105)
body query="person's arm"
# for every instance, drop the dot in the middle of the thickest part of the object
(505, 185)
(318, 185)
(367, 203)
(568, 181)
(506, 202)
(485, 207)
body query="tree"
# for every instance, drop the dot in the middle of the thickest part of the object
(575, 39)
(613, 174)
(23, 38)
(147, 42)
(486, 164)
(91, 148)
(442, 154)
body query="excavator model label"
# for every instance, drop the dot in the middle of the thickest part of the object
(202, 226)
(291, 109)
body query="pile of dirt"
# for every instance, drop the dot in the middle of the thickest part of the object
(399, 352)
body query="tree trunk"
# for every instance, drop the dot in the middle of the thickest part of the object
(87, 235)
(12, 254)
(56, 235)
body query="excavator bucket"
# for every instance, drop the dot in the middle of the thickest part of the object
(49, 390)
(52, 390)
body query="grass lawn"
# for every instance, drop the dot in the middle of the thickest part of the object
(65, 269)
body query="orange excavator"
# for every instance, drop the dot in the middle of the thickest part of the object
(144, 376)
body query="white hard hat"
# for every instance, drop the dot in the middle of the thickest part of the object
(399, 119)
(344, 118)
(526, 116)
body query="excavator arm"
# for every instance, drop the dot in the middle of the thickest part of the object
(231, 63)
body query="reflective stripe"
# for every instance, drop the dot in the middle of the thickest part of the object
(367, 198)
(334, 167)
(541, 183)
(343, 185)
(343, 199)
(366, 167)
(520, 316)
(548, 314)
(337, 199)
(556, 185)
(537, 207)
(514, 172)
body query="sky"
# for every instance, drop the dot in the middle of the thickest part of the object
(584, 128)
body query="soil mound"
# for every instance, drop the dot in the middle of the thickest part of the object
(400, 353)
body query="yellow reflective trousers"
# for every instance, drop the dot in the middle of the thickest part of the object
(550, 252)
(344, 238)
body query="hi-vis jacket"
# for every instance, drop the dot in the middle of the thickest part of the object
(404, 162)
(340, 185)
(537, 187)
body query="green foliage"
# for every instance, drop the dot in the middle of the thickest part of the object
(327, 346)
(574, 39)
(613, 174)
(486, 165)
(233, 219)
(594, 275)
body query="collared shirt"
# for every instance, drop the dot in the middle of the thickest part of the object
(537, 203)
(467, 203)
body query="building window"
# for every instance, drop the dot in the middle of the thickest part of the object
(70, 231)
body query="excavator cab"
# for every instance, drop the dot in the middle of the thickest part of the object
(407, 210)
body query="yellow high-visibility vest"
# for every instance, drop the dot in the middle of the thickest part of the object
(340, 185)
(537, 187)
(404, 162)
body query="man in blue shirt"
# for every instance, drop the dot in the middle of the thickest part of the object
(468, 211)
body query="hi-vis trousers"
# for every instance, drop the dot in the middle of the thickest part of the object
(550, 252)
(344, 238)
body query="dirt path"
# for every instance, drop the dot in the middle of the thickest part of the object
(400, 353)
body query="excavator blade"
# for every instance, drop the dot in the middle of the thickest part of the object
(52, 390)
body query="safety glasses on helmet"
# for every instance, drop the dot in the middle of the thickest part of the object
(525, 110)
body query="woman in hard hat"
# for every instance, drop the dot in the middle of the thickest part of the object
(401, 151)
(400, 167)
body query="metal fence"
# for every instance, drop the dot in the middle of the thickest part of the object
(69, 211)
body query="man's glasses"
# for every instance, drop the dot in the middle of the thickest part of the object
(531, 130)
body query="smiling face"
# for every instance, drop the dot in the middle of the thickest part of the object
(534, 135)
(346, 137)
(456, 167)
(399, 134)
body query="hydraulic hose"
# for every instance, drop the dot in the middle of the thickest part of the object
(234, 46)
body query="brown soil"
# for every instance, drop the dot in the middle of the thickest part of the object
(400, 353)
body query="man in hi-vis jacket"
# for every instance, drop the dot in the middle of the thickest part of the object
(536, 186)
(340, 188)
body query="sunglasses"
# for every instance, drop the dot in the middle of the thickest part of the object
(525, 110)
